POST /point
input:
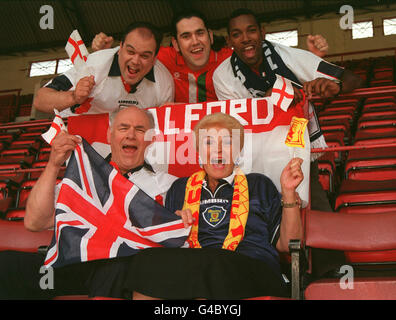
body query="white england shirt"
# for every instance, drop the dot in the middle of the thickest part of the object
(305, 65)
(109, 92)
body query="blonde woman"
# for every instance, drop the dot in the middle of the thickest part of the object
(239, 224)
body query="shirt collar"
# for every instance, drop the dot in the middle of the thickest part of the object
(145, 165)
(116, 72)
(229, 180)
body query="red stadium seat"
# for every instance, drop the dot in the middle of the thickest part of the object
(337, 126)
(14, 236)
(377, 124)
(381, 288)
(362, 192)
(366, 234)
(335, 139)
(327, 172)
(371, 164)
(364, 137)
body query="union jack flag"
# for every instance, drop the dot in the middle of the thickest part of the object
(101, 214)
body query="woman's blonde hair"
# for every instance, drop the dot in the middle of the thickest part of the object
(220, 119)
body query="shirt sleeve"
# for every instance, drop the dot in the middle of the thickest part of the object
(63, 82)
(222, 82)
(307, 66)
(175, 195)
(271, 206)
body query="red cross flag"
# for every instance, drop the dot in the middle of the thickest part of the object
(56, 127)
(76, 50)
(282, 93)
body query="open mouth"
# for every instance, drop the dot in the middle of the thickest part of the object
(132, 71)
(197, 51)
(218, 163)
(129, 148)
(249, 51)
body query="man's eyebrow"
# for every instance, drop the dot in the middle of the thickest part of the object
(190, 32)
(129, 46)
(248, 27)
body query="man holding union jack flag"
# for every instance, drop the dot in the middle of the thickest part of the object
(101, 212)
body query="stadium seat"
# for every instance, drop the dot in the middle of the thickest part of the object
(352, 233)
(18, 212)
(14, 236)
(337, 126)
(377, 124)
(327, 172)
(363, 192)
(10, 184)
(371, 164)
(335, 139)
(364, 137)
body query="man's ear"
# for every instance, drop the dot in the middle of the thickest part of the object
(228, 41)
(210, 36)
(175, 44)
(262, 30)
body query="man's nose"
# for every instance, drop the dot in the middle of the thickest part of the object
(131, 133)
(195, 39)
(245, 37)
(135, 59)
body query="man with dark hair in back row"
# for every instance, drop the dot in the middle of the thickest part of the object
(251, 72)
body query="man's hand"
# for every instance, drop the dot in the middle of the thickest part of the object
(186, 216)
(61, 148)
(322, 87)
(298, 95)
(102, 41)
(83, 89)
(317, 45)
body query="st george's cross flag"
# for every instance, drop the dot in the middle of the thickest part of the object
(76, 50)
(101, 214)
(57, 126)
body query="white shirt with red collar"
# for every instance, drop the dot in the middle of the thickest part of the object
(110, 92)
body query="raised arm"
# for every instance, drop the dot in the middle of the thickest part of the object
(40, 206)
(318, 45)
(326, 88)
(291, 226)
(101, 41)
(46, 98)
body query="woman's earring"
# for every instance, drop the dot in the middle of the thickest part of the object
(200, 161)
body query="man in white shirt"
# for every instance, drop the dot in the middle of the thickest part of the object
(128, 143)
(19, 271)
(251, 72)
(123, 76)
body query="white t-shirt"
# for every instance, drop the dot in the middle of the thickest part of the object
(109, 93)
(304, 65)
